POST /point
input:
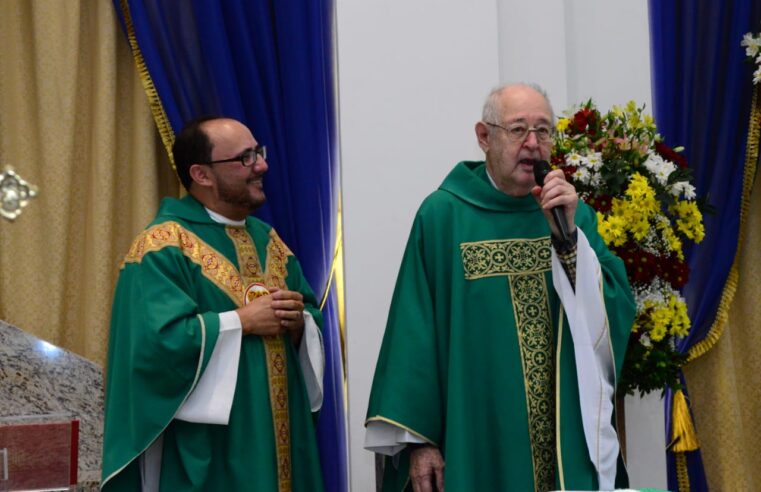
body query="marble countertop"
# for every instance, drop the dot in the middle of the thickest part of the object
(41, 383)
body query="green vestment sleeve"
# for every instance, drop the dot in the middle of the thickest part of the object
(161, 340)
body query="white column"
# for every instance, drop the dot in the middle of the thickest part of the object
(577, 50)
(412, 78)
(645, 441)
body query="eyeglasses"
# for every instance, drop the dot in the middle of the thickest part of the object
(246, 159)
(518, 132)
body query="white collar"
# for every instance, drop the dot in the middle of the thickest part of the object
(224, 220)
(491, 180)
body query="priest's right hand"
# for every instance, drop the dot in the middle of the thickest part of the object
(427, 469)
(263, 316)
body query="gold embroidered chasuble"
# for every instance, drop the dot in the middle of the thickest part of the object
(209, 265)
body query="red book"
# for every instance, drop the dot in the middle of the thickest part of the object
(39, 456)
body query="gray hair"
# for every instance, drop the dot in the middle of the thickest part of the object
(492, 111)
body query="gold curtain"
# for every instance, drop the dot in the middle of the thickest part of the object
(725, 383)
(75, 122)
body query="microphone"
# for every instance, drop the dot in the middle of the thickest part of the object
(541, 168)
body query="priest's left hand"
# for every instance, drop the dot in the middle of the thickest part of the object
(427, 469)
(289, 307)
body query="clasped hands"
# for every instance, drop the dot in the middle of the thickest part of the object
(282, 311)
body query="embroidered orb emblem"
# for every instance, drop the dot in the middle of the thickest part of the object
(235, 282)
(210, 262)
(522, 255)
(255, 290)
(187, 243)
(161, 235)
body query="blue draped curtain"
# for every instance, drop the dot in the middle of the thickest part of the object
(702, 98)
(270, 65)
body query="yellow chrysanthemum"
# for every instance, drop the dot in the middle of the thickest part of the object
(639, 207)
(562, 124)
(673, 242)
(689, 220)
(680, 322)
(662, 317)
(640, 188)
(612, 229)
(658, 333)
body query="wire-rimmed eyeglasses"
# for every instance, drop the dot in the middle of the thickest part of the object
(247, 158)
(518, 132)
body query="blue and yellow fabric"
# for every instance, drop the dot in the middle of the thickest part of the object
(270, 65)
(704, 100)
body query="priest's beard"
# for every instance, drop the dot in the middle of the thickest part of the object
(241, 195)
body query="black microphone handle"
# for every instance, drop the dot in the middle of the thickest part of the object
(559, 215)
(541, 168)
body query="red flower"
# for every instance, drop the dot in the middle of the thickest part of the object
(670, 155)
(585, 121)
(641, 266)
(568, 171)
(676, 272)
(581, 120)
(601, 203)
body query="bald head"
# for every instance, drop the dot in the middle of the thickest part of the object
(500, 100)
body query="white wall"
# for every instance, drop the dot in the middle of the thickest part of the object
(412, 77)
(577, 50)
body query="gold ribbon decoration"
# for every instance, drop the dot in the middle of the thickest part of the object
(683, 435)
(683, 438)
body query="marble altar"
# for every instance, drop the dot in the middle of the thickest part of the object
(40, 382)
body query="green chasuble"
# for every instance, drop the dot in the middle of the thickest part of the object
(477, 357)
(179, 274)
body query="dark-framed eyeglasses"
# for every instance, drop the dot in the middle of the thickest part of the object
(247, 158)
(518, 132)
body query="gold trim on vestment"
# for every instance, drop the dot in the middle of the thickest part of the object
(274, 345)
(378, 418)
(248, 259)
(157, 109)
(728, 293)
(531, 308)
(277, 257)
(505, 257)
(558, 444)
(525, 262)
(214, 265)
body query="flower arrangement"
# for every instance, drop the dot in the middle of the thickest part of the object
(646, 209)
(753, 52)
